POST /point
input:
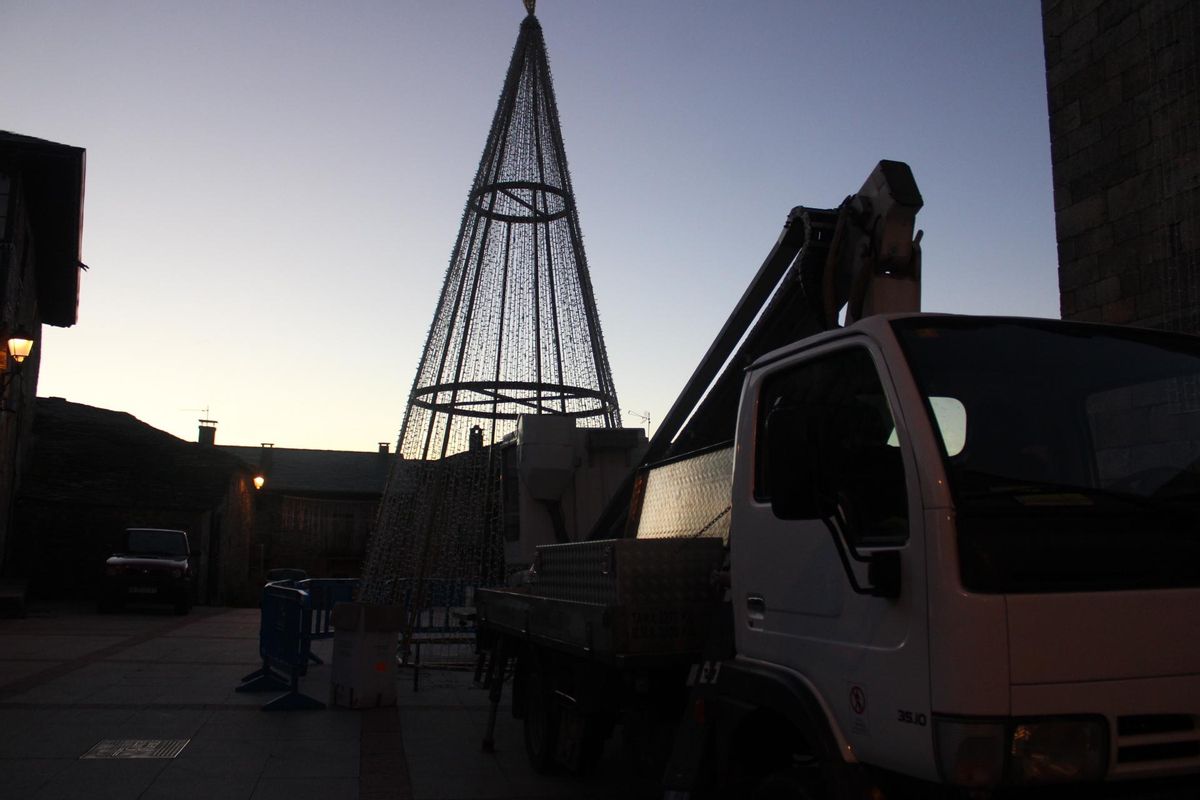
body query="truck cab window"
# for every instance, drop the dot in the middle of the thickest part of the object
(1080, 462)
(841, 427)
(951, 418)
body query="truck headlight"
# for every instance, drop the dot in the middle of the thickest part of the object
(970, 753)
(986, 753)
(1058, 751)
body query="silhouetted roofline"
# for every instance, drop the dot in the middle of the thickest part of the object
(53, 186)
(325, 472)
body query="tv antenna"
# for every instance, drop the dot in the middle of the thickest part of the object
(204, 411)
(644, 416)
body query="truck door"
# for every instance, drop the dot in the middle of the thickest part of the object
(801, 605)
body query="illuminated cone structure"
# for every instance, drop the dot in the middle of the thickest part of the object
(515, 332)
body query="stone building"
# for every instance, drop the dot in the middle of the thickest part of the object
(94, 472)
(316, 508)
(41, 227)
(1123, 84)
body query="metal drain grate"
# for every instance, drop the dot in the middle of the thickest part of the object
(137, 748)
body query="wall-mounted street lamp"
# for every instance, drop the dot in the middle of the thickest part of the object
(20, 345)
(259, 480)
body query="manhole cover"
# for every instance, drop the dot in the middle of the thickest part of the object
(137, 748)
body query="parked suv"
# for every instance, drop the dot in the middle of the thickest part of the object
(149, 566)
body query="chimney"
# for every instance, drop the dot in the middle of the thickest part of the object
(384, 448)
(207, 435)
(266, 458)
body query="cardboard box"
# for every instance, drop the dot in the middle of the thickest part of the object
(367, 617)
(364, 655)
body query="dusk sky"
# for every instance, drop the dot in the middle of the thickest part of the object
(274, 188)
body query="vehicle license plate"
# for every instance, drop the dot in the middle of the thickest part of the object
(142, 590)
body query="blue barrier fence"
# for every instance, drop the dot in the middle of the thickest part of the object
(323, 594)
(284, 643)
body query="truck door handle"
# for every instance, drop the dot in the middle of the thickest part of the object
(756, 605)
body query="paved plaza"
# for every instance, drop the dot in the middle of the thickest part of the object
(71, 679)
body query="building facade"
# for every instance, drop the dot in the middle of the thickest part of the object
(41, 226)
(94, 472)
(316, 509)
(1123, 83)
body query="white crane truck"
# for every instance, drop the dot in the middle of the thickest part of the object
(942, 555)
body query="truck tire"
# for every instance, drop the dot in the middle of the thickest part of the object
(813, 781)
(788, 784)
(541, 720)
(591, 743)
(647, 739)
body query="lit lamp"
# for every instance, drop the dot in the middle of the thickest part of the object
(20, 345)
(259, 480)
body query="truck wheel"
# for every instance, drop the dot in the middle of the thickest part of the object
(647, 740)
(790, 784)
(591, 744)
(812, 781)
(541, 721)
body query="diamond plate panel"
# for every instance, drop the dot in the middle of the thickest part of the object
(629, 572)
(689, 498)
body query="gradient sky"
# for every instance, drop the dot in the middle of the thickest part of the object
(273, 188)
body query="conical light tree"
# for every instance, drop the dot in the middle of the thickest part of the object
(515, 332)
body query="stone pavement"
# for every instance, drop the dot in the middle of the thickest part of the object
(70, 678)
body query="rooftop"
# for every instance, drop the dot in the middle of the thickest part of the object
(53, 187)
(316, 471)
(93, 456)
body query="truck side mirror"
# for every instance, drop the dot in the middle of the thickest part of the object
(800, 486)
(793, 465)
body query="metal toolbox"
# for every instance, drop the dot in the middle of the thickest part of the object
(597, 631)
(631, 573)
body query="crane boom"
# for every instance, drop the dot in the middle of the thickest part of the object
(861, 256)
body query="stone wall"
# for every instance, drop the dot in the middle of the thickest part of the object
(1122, 80)
(18, 311)
(326, 536)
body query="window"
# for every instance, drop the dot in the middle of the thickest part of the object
(951, 417)
(848, 441)
(1080, 465)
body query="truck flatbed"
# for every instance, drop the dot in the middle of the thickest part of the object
(611, 633)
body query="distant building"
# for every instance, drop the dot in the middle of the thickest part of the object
(41, 226)
(94, 472)
(317, 508)
(1123, 82)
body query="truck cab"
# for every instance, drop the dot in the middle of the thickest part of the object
(965, 550)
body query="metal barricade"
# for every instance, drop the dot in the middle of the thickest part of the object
(284, 643)
(323, 594)
(440, 631)
(285, 574)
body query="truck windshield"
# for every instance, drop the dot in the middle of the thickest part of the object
(1073, 451)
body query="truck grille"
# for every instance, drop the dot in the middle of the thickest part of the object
(1148, 738)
